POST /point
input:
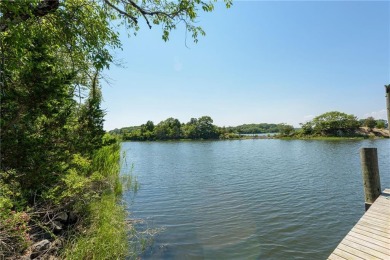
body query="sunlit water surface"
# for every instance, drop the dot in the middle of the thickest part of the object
(249, 199)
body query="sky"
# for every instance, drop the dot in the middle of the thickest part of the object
(260, 62)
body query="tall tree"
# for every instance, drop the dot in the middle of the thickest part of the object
(335, 123)
(90, 120)
(369, 122)
(36, 105)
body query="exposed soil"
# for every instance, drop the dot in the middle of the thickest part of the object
(374, 132)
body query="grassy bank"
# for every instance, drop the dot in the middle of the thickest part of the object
(104, 231)
(105, 235)
(79, 217)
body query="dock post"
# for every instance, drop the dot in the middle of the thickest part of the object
(387, 88)
(370, 172)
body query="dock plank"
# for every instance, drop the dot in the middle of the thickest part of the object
(370, 237)
(382, 249)
(373, 231)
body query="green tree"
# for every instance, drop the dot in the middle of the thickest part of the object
(307, 128)
(190, 129)
(168, 129)
(370, 122)
(37, 108)
(149, 126)
(205, 128)
(286, 130)
(335, 123)
(380, 124)
(90, 120)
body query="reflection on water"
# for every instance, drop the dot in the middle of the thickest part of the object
(250, 199)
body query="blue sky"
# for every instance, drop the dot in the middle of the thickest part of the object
(260, 62)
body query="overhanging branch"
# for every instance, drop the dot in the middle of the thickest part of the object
(43, 8)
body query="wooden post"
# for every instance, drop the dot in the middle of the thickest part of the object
(370, 171)
(387, 88)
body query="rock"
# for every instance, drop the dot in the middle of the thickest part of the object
(59, 243)
(57, 226)
(39, 248)
(62, 217)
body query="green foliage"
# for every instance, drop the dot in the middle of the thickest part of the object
(261, 128)
(70, 22)
(14, 236)
(307, 128)
(381, 124)
(106, 235)
(11, 195)
(172, 129)
(335, 124)
(36, 108)
(370, 122)
(227, 136)
(196, 128)
(286, 130)
(205, 128)
(90, 121)
(168, 129)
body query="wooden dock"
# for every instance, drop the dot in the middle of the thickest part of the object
(370, 237)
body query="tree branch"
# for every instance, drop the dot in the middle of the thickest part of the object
(43, 8)
(120, 11)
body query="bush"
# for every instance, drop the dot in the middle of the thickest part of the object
(370, 122)
(335, 123)
(286, 130)
(14, 236)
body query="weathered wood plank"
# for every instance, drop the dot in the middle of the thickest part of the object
(382, 208)
(334, 256)
(371, 243)
(370, 237)
(382, 205)
(377, 215)
(373, 226)
(379, 222)
(358, 254)
(383, 199)
(364, 228)
(374, 221)
(362, 250)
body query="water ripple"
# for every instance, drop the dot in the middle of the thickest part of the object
(251, 199)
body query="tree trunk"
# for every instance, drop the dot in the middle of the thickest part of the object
(387, 87)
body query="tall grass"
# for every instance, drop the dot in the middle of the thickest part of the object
(105, 233)
(106, 236)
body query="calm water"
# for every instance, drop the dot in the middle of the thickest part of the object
(250, 199)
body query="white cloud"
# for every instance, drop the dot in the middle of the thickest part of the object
(377, 114)
(308, 118)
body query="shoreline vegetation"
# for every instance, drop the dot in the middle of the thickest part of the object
(332, 125)
(81, 217)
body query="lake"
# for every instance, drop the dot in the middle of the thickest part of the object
(249, 199)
